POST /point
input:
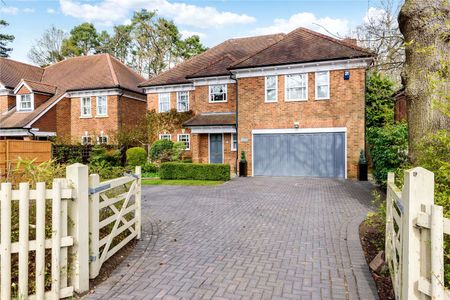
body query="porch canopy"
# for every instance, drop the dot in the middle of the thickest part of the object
(212, 123)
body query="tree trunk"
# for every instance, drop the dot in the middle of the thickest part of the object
(424, 24)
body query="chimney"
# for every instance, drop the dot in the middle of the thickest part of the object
(350, 41)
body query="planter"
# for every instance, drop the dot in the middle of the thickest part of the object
(243, 168)
(362, 171)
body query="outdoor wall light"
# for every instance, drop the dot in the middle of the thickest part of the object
(296, 125)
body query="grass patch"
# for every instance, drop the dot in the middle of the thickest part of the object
(150, 175)
(181, 182)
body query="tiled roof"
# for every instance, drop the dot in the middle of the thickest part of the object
(12, 72)
(212, 119)
(300, 46)
(78, 73)
(236, 49)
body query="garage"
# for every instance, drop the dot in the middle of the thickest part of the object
(300, 152)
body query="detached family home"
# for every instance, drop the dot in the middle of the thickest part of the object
(81, 100)
(293, 102)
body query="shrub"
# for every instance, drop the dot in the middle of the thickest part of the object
(161, 150)
(195, 171)
(150, 168)
(379, 100)
(388, 149)
(136, 156)
(100, 155)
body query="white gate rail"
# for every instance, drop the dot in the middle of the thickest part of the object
(72, 199)
(415, 229)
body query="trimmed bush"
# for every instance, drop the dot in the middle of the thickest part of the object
(195, 171)
(150, 168)
(136, 156)
(161, 150)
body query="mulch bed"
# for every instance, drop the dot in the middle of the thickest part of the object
(371, 238)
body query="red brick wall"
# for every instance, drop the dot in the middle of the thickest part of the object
(132, 111)
(7, 102)
(201, 153)
(345, 108)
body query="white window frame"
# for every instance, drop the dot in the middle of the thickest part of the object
(88, 140)
(178, 101)
(98, 114)
(19, 102)
(159, 102)
(286, 87)
(102, 136)
(233, 148)
(225, 93)
(163, 136)
(188, 140)
(276, 89)
(90, 107)
(328, 85)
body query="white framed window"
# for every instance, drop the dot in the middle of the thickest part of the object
(322, 85)
(183, 101)
(218, 93)
(86, 140)
(233, 141)
(165, 136)
(186, 139)
(86, 107)
(271, 88)
(102, 138)
(102, 106)
(25, 102)
(296, 87)
(164, 102)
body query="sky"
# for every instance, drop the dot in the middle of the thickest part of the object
(214, 20)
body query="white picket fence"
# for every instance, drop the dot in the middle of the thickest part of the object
(74, 241)
(415, 229)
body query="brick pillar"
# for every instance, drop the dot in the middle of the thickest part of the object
(195, 147)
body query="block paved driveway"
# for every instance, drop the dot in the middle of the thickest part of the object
(250, 238)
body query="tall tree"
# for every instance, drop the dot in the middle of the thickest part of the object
(191, 46)
(83, 40)
(4, 40)
(47, 50)
(380, 33)
(426, 28)
(120, 42)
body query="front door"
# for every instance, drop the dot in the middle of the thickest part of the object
(215, 149)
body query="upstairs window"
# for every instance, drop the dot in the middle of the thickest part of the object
(164, 102)
(25, 102)
(182, 101)
(296, 87)
(165, 136)
(102, 106)
(218, 93)
(86, 107)
(322, 85)
(271, 88)
(185, 138)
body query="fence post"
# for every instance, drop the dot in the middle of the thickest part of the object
(5, 231)
(437, 255)
(78, 214)
(94, 219)
(417, 194)
(138, 199)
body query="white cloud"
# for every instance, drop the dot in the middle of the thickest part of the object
(188, 33)
(9, 10)
(111, 11)
(28, 10)
(51, 11)
(309, 20)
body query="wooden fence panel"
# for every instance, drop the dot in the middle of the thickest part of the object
(10, 150)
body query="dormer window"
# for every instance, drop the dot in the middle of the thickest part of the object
(25, 102)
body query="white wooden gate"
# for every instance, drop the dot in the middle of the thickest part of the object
(114, 216)
(415, 229)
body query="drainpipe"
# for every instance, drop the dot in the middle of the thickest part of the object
(233, 76)
(30, 132)
(119, 125)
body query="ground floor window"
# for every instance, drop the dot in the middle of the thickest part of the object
(102, 139)
(185, 138)
(233, 141)
(165, 136)
(86, 140)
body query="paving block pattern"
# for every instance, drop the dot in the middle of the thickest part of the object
(250, 238)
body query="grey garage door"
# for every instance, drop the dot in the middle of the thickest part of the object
(299, 154)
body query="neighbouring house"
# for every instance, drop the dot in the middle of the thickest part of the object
(400, 106)
(83, 99)
(293, 102)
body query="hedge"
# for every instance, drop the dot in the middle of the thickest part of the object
(172, 170)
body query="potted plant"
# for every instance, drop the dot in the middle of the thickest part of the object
(362, 166)
(243, 165)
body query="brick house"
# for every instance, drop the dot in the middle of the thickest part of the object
(293, 102)
(80, 100)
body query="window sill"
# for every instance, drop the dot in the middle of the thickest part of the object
(101, 116)
(296, 100)
(275, 101)
(321, 99)
(218, 101)
(86, 117)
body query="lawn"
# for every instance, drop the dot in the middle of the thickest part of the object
(180, 182)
